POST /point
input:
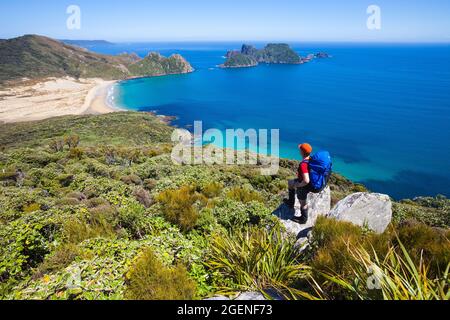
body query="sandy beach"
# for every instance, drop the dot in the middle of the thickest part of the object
(31, 100)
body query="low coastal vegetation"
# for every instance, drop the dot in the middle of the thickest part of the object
(92, 207)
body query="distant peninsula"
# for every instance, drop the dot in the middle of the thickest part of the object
(35, 57)
(87, 43)
(273, 53)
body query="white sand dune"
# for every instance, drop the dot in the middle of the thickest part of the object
(29, 101)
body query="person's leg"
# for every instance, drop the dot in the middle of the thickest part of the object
(302, 194)
(292, 184)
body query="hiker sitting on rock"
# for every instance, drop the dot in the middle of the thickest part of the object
(313, 175)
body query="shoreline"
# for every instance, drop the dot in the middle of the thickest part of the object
(98, 99)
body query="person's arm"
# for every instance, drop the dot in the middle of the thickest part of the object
(305, 180)
(304, 174)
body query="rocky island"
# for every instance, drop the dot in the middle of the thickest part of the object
(273, 53)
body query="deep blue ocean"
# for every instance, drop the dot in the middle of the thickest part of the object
(382, 110)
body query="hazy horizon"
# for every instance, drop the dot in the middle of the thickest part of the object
(250, 41)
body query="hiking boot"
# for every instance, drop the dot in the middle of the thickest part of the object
(290, 202)
(303, 219)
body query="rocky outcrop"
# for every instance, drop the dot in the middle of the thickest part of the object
(249, 50)
(239, 60)
(372, 210)
(217, 298)
(157, 65)
(244, 296)
(319, 205)
(250, 296)
(322, 55)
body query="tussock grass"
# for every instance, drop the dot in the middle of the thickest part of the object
(256, 259)
(394, 277)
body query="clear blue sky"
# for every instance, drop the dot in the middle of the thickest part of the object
(197, 20)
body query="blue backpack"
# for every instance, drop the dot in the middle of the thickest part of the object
(320, 168)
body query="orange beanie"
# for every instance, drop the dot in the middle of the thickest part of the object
(306, 148)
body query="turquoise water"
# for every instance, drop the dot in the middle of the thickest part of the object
(383, 111)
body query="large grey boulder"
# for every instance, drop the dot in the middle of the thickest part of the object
(250, 296)
(245, 296)
(373, 210)
(319, 204)
(217, 298)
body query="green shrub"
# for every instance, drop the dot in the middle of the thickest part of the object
(133, 218)
(235, 214)
(72, 141)
(57, 145)
(331, 241)
(76, 195)
(59, 259)
(334, 252)
(207, 221)
(65, 179)
(106, 213)
(149, 279)
(423, 242)
(261, 182)
(434, 212)
(96, 202)
(131, 179)
(94, 224)
(76, 153)
(31, 207)
(8, 175)
(98, 169)
(212, 190)
(244, 195)
(178, 206)
(68, 202)
(22, 247)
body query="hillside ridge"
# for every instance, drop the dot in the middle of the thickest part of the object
(34, 56)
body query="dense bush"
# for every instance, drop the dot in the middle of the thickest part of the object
(90, 224)
(149, 279)
(430, 211)
(422, 241)
(235, 214)
(331, 241)
(74, 218)
(212, 190)
(59, 259)
(335, 244)
(179, 206)
(22, 247)
(244, 195)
